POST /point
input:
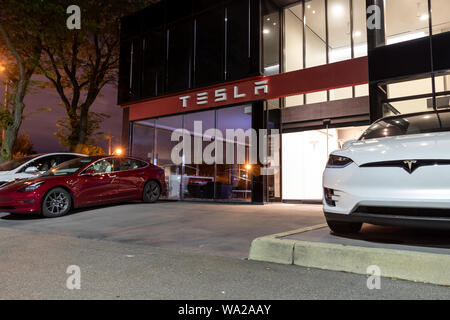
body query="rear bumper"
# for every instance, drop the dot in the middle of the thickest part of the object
(442, 223)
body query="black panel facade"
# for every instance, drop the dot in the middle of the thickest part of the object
(400, 60)
(209, 47)
(176, 45)
(179, 56)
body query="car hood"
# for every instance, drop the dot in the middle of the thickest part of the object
(19, 184)
(429, 146)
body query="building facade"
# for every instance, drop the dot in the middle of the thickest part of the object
(303, 76)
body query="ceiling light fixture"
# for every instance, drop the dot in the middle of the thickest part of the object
(338, 10)
(424, 17)
(266, 31)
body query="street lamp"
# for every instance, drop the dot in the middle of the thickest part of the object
(118, 152)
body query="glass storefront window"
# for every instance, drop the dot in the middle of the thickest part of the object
(408, 88)
(405, 20)
(339, 40)
(198, 177)
(315, 33)
(209, 171)
(359, 28)
(143, 143)
(316, 97)
(407, 106)
(163, 153)
(294, 101)
(293, 42)
(440, 16)
(271, 42)
(315, 42)
(362, 90)
(342, 93)
(234, 181)
(443, 83)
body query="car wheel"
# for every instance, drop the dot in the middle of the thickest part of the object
(152, 192)
(56, 203)
(344, 227)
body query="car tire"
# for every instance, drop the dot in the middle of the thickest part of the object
(344, 227)
(152, 192)
(57, 203)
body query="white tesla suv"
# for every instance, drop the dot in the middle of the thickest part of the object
(30, 167)
(396, 173)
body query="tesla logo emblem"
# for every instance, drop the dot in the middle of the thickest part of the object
(410, 166)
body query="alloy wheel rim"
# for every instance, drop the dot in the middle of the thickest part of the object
(152, 191)
(56, 203)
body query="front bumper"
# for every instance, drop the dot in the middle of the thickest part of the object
(442, 223)
(389, 195)
(16, 202)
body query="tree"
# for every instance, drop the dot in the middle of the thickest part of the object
(90, 150)
(21, 23)
(23, 146)
(79, 63)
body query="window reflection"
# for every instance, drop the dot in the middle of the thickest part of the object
(229, 179)
(198, 177)
(164, 147)
(234, 181)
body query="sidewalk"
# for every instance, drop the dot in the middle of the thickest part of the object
(409, 254)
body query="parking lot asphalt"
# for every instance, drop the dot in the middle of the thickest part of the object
(215, 229)
(34, 266)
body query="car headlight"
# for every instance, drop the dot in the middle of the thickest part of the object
(32, 187)
(338, 161)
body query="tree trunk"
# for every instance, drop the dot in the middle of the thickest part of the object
(8, 143)
(84, 118)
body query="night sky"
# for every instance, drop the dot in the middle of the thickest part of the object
(41, 126)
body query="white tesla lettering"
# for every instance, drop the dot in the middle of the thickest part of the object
(202, 98)
(237, 95)
(185, 99)
(261, 85)
(223, 94)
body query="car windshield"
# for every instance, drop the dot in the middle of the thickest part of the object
(14, 164)
(69, 167)
(408, 124)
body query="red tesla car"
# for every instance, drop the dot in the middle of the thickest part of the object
(84, 182)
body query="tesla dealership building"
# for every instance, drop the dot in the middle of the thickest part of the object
(313, 70)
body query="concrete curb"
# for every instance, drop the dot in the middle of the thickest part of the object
(272, 249)
(415, 266)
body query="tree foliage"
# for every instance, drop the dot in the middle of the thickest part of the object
(23, 146)
(22, 23)
(79, 63)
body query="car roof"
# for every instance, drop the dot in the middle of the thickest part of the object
(405, 115)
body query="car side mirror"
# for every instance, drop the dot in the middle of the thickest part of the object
(89, 172)
(348, 143)
(31, 170)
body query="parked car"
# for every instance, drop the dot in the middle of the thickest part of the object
(32, 166)
(84, 182)
(396, 173)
